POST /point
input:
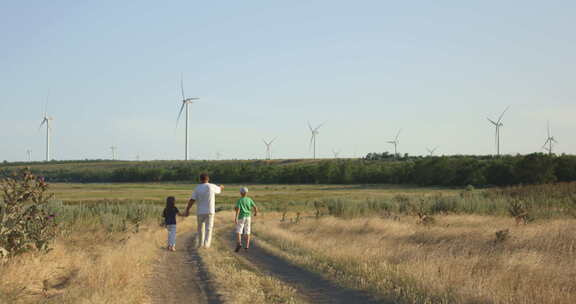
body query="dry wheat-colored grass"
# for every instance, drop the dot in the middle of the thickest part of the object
(455, 260)
(89, 266)
(237, 280)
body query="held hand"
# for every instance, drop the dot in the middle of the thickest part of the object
(221, 187)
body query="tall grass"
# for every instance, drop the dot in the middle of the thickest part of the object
(104, 253)
(541, 202)
(460, 259)
(113, 215)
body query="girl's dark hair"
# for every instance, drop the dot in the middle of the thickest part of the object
(170, 202)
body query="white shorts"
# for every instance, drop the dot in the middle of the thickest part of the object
(243, 225)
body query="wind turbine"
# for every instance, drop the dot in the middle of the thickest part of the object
(498, 124)
(46, 120)
(28, 155)
(395, 142)
(550, 140)
(336, 153)
(185, 103)
(113, 149)
(268, 148)
(315, 133)
(431, 151)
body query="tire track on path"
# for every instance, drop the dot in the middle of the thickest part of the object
(311, 286)
(181, 276)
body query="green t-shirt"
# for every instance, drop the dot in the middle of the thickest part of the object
(245, 205)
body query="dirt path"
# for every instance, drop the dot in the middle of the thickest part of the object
(311, 286)
(181, 277)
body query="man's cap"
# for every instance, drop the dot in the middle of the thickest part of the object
(243, 190)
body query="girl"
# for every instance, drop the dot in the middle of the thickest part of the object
(169, 215)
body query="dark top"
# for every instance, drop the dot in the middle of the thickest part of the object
(169, 215)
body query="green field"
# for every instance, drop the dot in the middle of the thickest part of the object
(405, 244)
(264, 193)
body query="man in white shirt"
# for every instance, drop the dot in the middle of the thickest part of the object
(205, 195)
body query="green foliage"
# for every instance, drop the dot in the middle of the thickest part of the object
(565, 168)
(451, 171)
(523, 203)
(113, 215)
(25, 222)
(536, 168)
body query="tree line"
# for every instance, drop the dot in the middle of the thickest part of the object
(536, 168)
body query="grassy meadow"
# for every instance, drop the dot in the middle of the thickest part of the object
(268, 194)
(400, 243)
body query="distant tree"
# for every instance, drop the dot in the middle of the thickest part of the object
(536, 168)
(500, 173)
(566, 168)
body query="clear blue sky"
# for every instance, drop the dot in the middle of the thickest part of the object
(436, 69)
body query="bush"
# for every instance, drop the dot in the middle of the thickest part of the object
(25, 223)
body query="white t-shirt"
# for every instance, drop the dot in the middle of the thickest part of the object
(205, 197)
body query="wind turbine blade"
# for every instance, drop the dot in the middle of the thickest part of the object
(319, 126)
(273, 140)
(182, 85)
(502, 115)
(493, 122)
(180, 114)
(46, 103)
(396, 139)
(310, 127)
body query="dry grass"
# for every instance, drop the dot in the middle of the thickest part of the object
(455, 260)
(238, 281)
(89, 266)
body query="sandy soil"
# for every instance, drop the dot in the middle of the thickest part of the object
(180, 276)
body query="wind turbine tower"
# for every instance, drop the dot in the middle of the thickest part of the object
(550, 141)
(28, 155)
(113, 149)
(47, 120)
(268, 148)
(395, 142)
(186, 102)
(315, 133)
(431, 151)
(498, 124)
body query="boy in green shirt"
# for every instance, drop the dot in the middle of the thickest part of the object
(244, 207)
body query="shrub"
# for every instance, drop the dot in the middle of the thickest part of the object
(25, 223)
(502, 236)
(518, 211)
